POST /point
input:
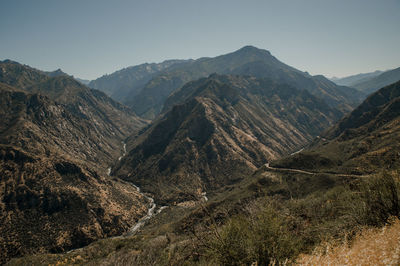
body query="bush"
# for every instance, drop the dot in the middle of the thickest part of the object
(264, 238)
(380, 195)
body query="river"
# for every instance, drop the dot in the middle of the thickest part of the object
(152, 205)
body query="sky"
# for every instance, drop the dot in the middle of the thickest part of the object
(90, 38)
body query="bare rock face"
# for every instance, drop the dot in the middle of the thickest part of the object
(57, 138)
(219, 129)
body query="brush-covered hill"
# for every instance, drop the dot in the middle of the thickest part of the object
(53, 198)
(365, 140)
(149, 97)
(218, 130)
(57, 138)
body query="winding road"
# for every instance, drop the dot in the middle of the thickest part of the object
(298, 171)
(288, 170)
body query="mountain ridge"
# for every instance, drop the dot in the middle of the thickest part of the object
(249, 60)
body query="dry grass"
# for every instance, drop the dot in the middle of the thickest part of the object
(370, 247)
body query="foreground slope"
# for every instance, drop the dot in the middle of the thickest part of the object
(371, 247)
(220, 129)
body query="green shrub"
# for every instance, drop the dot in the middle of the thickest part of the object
(263, 237)
(380, 195)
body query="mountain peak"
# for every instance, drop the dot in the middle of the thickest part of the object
(252, 49)
(9, 61)
(56, 73)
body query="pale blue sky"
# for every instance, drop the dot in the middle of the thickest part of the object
(89, 38)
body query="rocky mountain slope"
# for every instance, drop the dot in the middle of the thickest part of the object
(219, 130)
(365, 140)
(106, 121)
(57, 138)
(373, 84)
(249, 60)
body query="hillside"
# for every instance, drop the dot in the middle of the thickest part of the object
(113, 122)
(373, 84)
(54, 193)
(362, 142)
(220, 129)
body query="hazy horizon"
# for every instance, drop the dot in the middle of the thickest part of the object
(88, 39)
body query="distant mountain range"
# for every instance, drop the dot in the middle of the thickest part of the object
(375, 83)
(151, 84)
(370, 82)
(354, 79)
